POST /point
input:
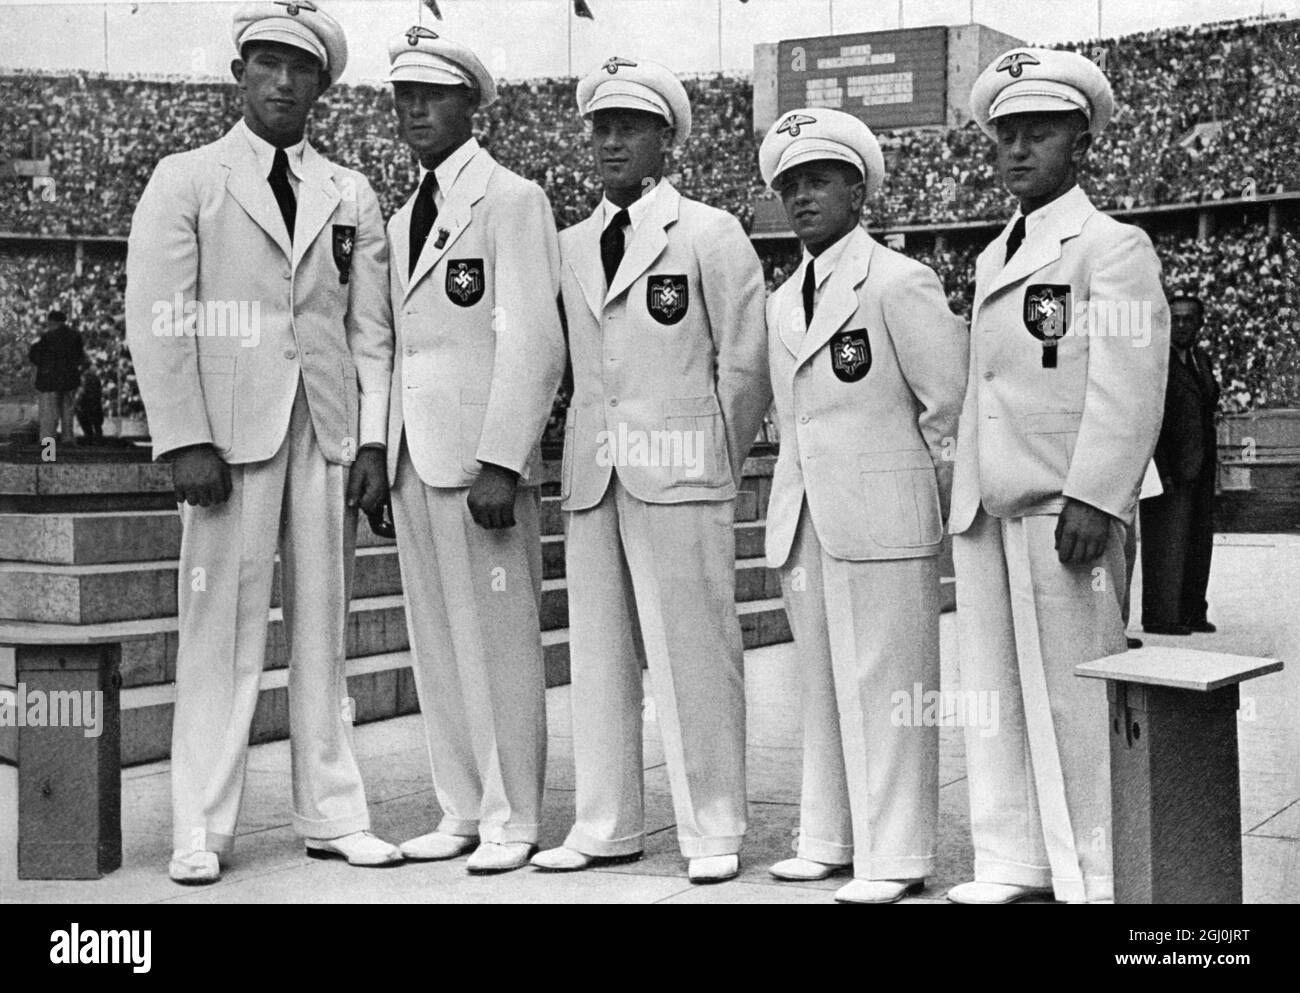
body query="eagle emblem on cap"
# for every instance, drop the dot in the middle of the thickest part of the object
(417, 32)
(612, 64)
(293, 6)
(1015, 62)
(794, 124)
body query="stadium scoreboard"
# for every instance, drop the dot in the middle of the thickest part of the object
(892, 80)
(889, 79)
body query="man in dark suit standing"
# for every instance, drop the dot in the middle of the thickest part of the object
(1178, 525)
(58, 355)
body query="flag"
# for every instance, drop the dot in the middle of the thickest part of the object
(581, 9)
(433, 6)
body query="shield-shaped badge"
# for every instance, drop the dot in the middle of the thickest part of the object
(667, 298)
(1047, 316)
(465, 281)
(345, 239)
(851, 355)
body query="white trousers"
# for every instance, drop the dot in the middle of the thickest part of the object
(1040, 787)
(865, 632)
(295, 501)
(472, 601)
(655, 581)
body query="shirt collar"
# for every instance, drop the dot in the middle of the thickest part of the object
(640, 207)
(828, 259)
(447, 171)
(265, 152)
(1036, 217)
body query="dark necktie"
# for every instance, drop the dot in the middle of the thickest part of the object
(279, 180)
(611, 245)
(423, 213)
(1017, 236)
(809, 294)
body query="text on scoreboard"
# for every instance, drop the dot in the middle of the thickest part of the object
(887, 78)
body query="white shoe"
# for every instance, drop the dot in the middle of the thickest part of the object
(436, 846)
(994, 893)
(878, 890)
(714, 869)
(490, 857)
(361, 848)
(572, 860)
(194, 868)
(805, 870)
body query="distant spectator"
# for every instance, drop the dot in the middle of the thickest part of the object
(1178, 526)
(90, 406)
(58, 355)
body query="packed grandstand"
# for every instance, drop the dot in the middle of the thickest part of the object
(1204, 115)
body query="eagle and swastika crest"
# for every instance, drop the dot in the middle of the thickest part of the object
(793, 124)
(851, 355)
(1015, 62)
(465, 281)
(667, 298)
(295, 6)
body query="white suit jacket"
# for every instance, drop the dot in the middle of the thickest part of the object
(208, 233)
(867, 400)
(672, 353)
(480, 351)
(1031, 436)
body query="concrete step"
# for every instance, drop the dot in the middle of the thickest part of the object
(100, 537)
(89, 594)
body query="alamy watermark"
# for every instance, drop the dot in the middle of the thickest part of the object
(945, 708)
(181, 318)
(633, 447)
(58, 708)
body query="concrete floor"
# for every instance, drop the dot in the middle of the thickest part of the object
(1255, 600)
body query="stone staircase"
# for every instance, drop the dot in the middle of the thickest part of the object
(88, 553)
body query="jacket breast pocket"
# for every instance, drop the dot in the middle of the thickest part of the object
(473, 410)
(1051, 435)
(901, 498)
(217, 379)
(694, 442)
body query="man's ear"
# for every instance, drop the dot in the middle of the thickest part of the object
(237, 69)
(1082, 145)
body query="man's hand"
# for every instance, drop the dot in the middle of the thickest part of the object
(368, 480)
(1081, 533)
(492, 497)
(200, 476)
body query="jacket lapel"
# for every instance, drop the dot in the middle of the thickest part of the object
(455, 215)
(317, 199)
(251, 190)
(399, 241)
(790, 312)
(648, 240)
(1042, 246)
(585, 263)
(839, 300)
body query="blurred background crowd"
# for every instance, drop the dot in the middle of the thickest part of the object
(1204, 114)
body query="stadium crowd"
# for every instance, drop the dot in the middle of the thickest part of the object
(1203, 114)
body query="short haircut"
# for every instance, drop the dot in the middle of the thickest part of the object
(57, 315)
(1188, 298)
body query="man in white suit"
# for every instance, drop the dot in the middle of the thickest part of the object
(868, 368)
(480, 351)
(664, 303)
(1069, 347)
(257, 317)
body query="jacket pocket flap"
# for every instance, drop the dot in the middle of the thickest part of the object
(911, 458)
(1053, 422)
(691, 407)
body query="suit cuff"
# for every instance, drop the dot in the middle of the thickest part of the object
(373, 421)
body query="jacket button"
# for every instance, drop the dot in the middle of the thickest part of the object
(410, 350)
(613, 401)
(288, 275)
(803, 418)
(289, 353)
(988, 375)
